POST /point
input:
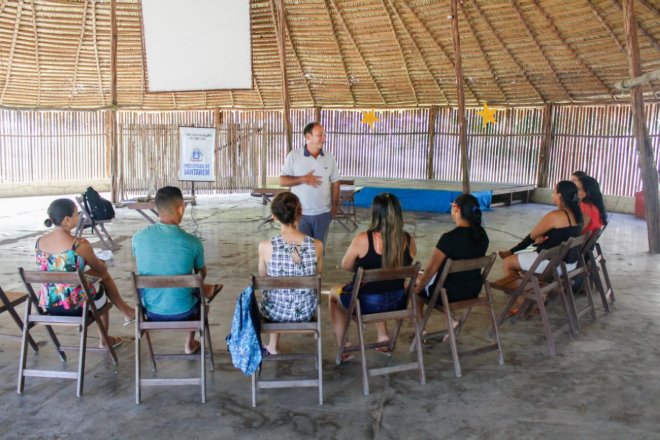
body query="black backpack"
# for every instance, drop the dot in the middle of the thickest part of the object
(98, 207)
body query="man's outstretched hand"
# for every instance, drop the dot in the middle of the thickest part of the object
(311, 179)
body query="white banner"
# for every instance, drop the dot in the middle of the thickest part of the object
(197, 158)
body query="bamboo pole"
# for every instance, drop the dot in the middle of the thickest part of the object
(279, 18)
(644, 150)
(114, 182)
(433, 113)
(647, 78)
(546, 144)
(462, 128)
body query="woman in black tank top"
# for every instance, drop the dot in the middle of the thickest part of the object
(554, 228)
(383, 245)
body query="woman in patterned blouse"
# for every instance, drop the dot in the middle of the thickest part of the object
(291, 253)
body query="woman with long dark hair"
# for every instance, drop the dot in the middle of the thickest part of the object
(555, 227)
(291, 253)
(59, 250)
(591, 202)
(383, 245)
(467, 240)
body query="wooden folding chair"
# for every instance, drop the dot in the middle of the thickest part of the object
(485, 264)
(409, 274)
(312, 327)
(595, 260)
(88, 316)
(535, 289)
(144, 326)
(85, 220)
(346, 215)
(581, 272)
(8, 302)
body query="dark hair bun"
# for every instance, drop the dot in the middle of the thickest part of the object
(48, 223)
(286, 207)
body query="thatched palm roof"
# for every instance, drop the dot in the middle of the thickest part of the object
(340, 53)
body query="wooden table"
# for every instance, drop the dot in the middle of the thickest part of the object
(147, 206)
(346, 218)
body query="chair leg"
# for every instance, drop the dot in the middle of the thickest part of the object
(546, 325)
(427, 315)
(319, 363)
(495, 330)
(56, 343)
(83, 351)
(19, 323)
(138, 341)
(452, 341)
(610, 291)
(210, 345)
(418, 338)
(363, 352)
(150, 348)
(254, 389)
(23, 358)
(202, 359)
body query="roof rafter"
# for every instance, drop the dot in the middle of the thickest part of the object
(442, 49)
(78, 50)
(573, 52)
(10, 62)
(510, 53)
(96, 54)
(341, 55)
(403, 56)
(540, 49)
(297, 57)
(36, 51)
(641, 28)
(649, 6)
(483, 52)
(605, 25)
(421, 55)
(364, 61)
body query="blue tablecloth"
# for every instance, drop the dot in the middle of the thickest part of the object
(429, 200)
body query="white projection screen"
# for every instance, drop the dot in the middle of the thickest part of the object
(197, 44)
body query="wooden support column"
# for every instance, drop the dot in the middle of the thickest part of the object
(647, 166)
(433, 114)
(279, 23)
(546, 145)
(114, 156)
(462, 125)
(218, 119)
(317, 114)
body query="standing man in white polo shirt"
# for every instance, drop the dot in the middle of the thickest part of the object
(313, 176)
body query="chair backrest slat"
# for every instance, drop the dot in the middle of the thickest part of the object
(167, 281)
(307, 282)
(376, 275)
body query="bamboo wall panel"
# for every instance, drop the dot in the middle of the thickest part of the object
(599, 141)
(44, 146)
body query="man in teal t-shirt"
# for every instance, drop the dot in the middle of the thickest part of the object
(166, 249)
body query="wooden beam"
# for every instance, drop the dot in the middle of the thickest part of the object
(317, 115)
(641, 28)
(605, 25)
(421, 55)
(433, 115)
(114, 157)
(357, 48)
(523, 72)
(404, 62)
(641, 80)
(647, 166)
(349, 81)
(546, 145)
(279, 19)
(462, 124)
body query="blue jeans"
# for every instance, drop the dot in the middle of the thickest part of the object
(316, 226)
(376, 302)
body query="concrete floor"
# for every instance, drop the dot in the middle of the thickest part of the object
(604, 384)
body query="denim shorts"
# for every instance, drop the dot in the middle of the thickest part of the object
(376, 302)
(190, 315)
